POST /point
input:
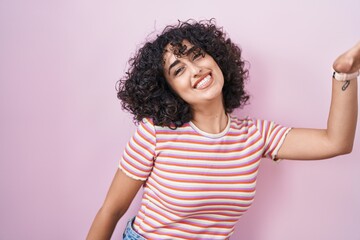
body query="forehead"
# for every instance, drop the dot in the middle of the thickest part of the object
(172, 52)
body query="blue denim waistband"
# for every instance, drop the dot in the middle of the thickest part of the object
(130, 233)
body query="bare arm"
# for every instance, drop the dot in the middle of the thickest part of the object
(121, 193)
(339, 135)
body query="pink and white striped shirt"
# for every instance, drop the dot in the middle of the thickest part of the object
(197, 184)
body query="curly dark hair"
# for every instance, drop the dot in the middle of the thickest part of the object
(144, 91)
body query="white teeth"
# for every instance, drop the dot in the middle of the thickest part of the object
(203, 82)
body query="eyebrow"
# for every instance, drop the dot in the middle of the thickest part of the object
(173, 65)
(177, 61)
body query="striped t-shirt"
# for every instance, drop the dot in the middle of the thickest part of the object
(197, 184)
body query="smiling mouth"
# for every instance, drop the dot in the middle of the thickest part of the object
(202, 83)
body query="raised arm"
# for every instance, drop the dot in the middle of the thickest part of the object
(338, 137)
(121, 193)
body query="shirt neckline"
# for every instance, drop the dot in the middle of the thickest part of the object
(212, 135)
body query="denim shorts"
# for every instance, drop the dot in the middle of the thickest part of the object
(130, 233)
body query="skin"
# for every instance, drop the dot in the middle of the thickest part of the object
(206, 102)
(338, 137)
(209, 116)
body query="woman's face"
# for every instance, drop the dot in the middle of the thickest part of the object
(194, 75)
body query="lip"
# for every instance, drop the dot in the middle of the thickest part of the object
(201, 78)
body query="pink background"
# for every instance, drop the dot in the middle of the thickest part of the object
(62, 130)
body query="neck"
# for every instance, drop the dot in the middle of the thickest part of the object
(210, 119)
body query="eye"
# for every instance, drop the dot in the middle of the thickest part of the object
(198, 53)
(178, 71)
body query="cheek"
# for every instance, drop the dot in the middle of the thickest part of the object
(180, 82)
(220, 73)
(179, 87)
(176, 86)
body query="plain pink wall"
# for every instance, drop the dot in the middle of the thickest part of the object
(62, 131)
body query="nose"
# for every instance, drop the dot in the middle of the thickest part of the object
(194, 69)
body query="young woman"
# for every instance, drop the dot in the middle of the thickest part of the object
(196, 162)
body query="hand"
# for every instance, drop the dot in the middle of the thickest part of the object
(349, 61)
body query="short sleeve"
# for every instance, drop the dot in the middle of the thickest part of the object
(138, 157)
(273, 135)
